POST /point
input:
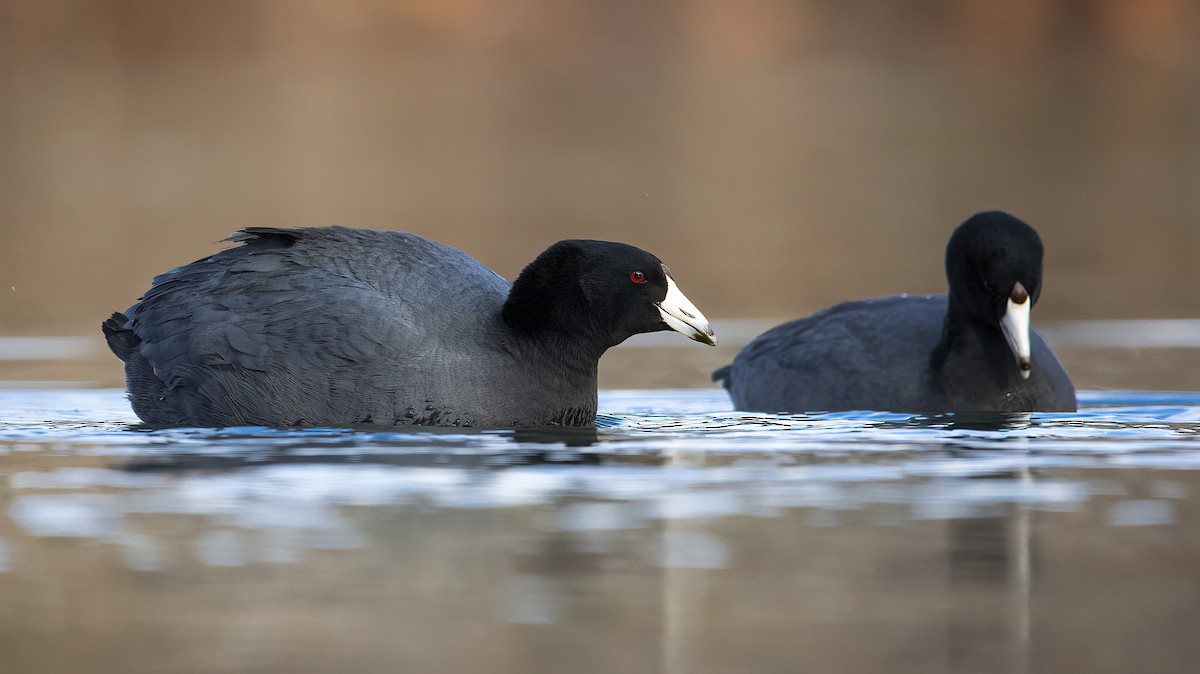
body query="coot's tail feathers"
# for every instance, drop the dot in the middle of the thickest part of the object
(121, 339)
(721, 376)
(277, 236)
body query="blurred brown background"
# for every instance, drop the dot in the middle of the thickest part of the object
(779, 155)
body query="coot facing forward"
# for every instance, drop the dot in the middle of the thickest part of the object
(971, 350)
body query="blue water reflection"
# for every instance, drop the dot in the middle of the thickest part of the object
(658, 455)
(678, 525)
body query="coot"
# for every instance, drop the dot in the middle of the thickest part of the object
(333, 326)
(972, 350)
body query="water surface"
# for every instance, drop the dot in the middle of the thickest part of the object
(679, 536)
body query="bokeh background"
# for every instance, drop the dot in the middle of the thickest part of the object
(780, 155)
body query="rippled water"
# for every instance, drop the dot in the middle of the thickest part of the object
(680, 536)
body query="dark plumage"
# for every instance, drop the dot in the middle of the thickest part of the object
(972, 350)
(331, 326)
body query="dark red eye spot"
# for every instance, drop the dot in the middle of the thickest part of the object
(637, 277)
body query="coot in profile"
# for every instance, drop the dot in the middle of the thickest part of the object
(332, 326)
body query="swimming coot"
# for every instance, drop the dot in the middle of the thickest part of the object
(332, 326)
(972, 350)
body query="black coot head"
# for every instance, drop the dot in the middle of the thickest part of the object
(994, 269)
(609, 291)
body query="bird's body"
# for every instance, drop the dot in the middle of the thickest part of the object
(331, 326)
(848, 363)
(972, 350)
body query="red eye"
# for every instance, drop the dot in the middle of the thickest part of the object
(637, 277)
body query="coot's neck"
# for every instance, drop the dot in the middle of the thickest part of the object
(969, 348)
(555, 330)
(561, 352)
(552, 317)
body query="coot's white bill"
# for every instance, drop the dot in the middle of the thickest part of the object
(1015, 326)
(683, 316)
